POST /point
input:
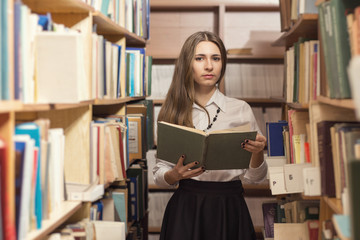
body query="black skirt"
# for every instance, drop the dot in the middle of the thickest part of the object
(201, 210)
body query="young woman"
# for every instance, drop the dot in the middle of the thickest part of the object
(207, 204)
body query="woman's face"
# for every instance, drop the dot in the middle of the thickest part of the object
(207, 64)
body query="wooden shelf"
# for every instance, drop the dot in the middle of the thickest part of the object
(116, 101)
(51, 106)
(306, 27)
(272, 100)
(231, 57)
(59, 216)
(109, 28)
(335, 205)
(343, 103)
(58, 6)
(213, 3)
(8, 106)
(298, 105)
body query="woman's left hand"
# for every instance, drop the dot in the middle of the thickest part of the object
(254, 146)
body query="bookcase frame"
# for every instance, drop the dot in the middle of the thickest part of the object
(307, 26)
(74, 118)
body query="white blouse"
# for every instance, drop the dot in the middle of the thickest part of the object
(233, 113)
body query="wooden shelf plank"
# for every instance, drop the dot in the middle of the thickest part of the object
(107, 27)
(343, 103)
(116, 101)
(306, 27)
(230, 57)
(51, 106)
(8, 106)
(334, 204)
(59, 216)
(58, 6)
(272, 100)
(298, 105)
(212, 3)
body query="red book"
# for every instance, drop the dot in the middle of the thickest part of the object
(7, 170)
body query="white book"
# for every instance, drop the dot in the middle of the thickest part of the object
(107, 69)
(56, 167)
(84, 192)
(100, 86)
(108, 230)
(312, 182)
(354, 73)
(60, 68)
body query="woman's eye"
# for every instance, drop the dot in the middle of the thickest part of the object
(216, 58)
(199, 58)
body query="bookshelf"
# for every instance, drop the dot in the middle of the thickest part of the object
(74, 118)
(323, 108)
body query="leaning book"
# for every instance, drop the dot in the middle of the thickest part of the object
(216, 150)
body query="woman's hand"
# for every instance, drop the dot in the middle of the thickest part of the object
(254, 146)
(182, 172)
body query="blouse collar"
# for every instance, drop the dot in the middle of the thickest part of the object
(218, 98)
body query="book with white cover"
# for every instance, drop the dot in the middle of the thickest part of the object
(60, 68)
(107, 230)
(84, 192)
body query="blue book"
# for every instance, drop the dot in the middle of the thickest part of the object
(127, 142)
(17, 50)
(19, 165)
(105, 7)
(342, 225)
(104, 68)
(33, 130)
(142, 51)
(118, 87)
(4, 51)
(133, 198)
(120, 206)
(274, 135)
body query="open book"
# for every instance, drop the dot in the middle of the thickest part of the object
(215, 150)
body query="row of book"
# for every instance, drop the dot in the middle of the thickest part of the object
(39, 177)
(339, 27)
(302, 71)
(241, 80)
(118, 214)
(130, 14)
(50, 57)
(291, 213)
(44, 179)
(325, 160)
(291, 11)
(332, 148)
(254, 80)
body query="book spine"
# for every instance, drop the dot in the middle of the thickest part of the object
(342, 46)
(202, 161)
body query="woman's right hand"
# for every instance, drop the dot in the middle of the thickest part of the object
(181, 171)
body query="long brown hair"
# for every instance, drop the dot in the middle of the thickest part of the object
(180, 98)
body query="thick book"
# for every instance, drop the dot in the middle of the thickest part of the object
(215, 150)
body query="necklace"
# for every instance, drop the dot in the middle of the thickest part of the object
(214, 120)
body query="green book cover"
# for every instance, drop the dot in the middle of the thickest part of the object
(327, 47)
(216, 150)
(342, 46)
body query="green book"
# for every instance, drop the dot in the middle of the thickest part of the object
(216, 150)
(327, 47)
(342, 46)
